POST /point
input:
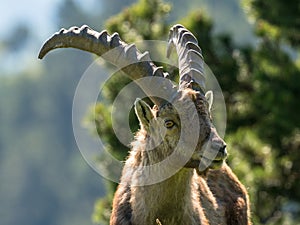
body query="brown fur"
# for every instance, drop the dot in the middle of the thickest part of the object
(231, 196)
(223, 198)
(186, 197)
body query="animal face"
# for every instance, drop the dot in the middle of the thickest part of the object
(184, 124)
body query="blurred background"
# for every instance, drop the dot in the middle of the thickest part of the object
(252, 47)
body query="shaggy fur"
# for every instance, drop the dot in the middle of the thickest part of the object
(223, 197)
(187, 197)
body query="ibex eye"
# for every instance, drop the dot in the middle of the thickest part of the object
(169, 123)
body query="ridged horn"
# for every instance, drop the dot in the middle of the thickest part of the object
(111, 48)
(190, 59)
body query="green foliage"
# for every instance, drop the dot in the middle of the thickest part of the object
(277, 19)
(270, 109)
(102, 211)
(262, 105)
(144, 20)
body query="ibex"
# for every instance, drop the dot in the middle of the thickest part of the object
(179, 124)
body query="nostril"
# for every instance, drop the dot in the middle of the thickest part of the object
(223, 150)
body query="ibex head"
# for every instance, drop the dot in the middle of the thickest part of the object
(182, 107)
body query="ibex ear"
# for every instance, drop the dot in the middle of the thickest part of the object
(210, 98)
(143, 112)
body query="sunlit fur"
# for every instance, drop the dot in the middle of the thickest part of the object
(176, 200)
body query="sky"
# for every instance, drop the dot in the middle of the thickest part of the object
(34, 12)
(39, 14)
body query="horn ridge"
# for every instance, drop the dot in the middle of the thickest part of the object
(190, 58)
(111, 48)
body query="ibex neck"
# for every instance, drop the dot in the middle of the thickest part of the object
(165, 199)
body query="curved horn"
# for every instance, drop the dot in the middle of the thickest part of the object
(110, 47)
(190, 59)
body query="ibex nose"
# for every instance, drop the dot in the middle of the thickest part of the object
(223, 150)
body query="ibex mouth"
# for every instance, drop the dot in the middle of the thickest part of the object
(215, 163)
